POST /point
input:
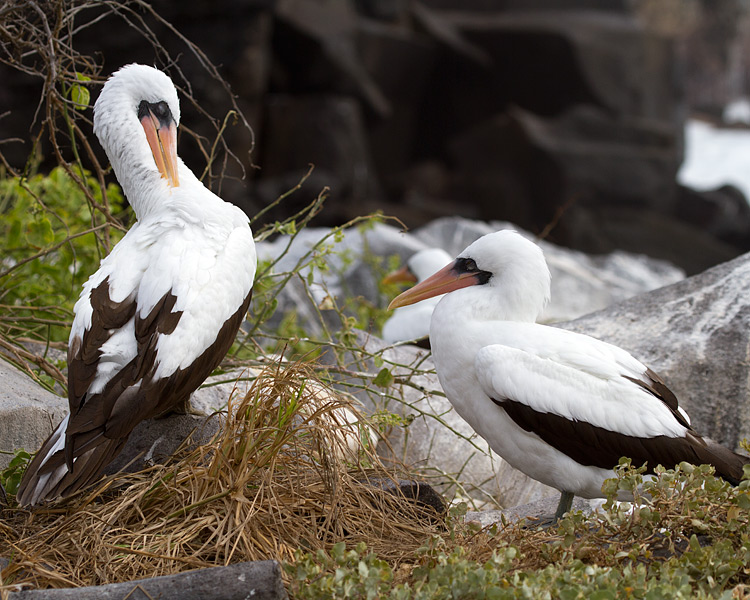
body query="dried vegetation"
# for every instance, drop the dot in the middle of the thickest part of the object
(286, 472)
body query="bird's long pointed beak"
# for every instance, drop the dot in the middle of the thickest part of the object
(447, 279)
(162, 139)
(400, 276)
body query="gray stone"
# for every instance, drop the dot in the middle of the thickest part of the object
(696, 335)
(260, 580)
(540, 509)
(347, 275)
(156, 440)
(723, 212)
(214, 394)
(336, 145)
(420, 492)
(28, 412)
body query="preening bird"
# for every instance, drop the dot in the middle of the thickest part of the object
(164, 307)
(560, 406)
(413, 322)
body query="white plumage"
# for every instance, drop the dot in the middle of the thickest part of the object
(164, 306)
(560, 406)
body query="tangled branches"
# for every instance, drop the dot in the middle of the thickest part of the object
(41, 43)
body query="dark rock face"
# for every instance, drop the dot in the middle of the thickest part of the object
(563, 117)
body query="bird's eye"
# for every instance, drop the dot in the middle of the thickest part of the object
(467, 265)
(161, 110)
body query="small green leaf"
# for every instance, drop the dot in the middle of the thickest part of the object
(743, 500)
(384, 378)
(80, 94)
(80, 97)
(40, 233)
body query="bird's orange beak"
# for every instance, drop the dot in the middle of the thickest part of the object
(447, 279)
(402, 275)
(162, 139)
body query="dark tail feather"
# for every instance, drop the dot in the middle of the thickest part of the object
(47, 476)
(729, 465)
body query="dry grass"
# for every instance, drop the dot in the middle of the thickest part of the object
(282, 475)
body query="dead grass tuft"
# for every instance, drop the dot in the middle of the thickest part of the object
(284, 474)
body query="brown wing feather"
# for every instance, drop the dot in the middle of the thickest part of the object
(84, 353)
(654, 384)
(590, 445)
(100, 423)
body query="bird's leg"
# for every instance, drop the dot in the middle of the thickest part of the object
(547, 521)
(184, 407)
(566, 502)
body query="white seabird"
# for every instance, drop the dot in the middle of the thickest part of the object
(410, 323)
(164, 307)
(560, 406)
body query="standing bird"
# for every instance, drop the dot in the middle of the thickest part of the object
(560, 406)
(413, 322)
(164, 307)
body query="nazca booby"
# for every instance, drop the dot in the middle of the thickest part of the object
(165, 305)
(560, 406)
(410, 323)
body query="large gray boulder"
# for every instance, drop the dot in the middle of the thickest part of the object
(156, 440)
(28, 412)
(696, 335)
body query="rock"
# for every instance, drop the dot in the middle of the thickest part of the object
(347, 275)
(604, 229)
(327, 131)
(321, 52)
(723, 212)
(419, 491)
(696, 335)
(539, 509)
(156, 440)
(28, 412)
(482, 6)
(260, 580)
(391, 56)
(214, 394)
(574, 56)
(536, 171)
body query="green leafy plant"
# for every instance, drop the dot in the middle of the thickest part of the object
(10, 476)
(50, 242)
(687, 536)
